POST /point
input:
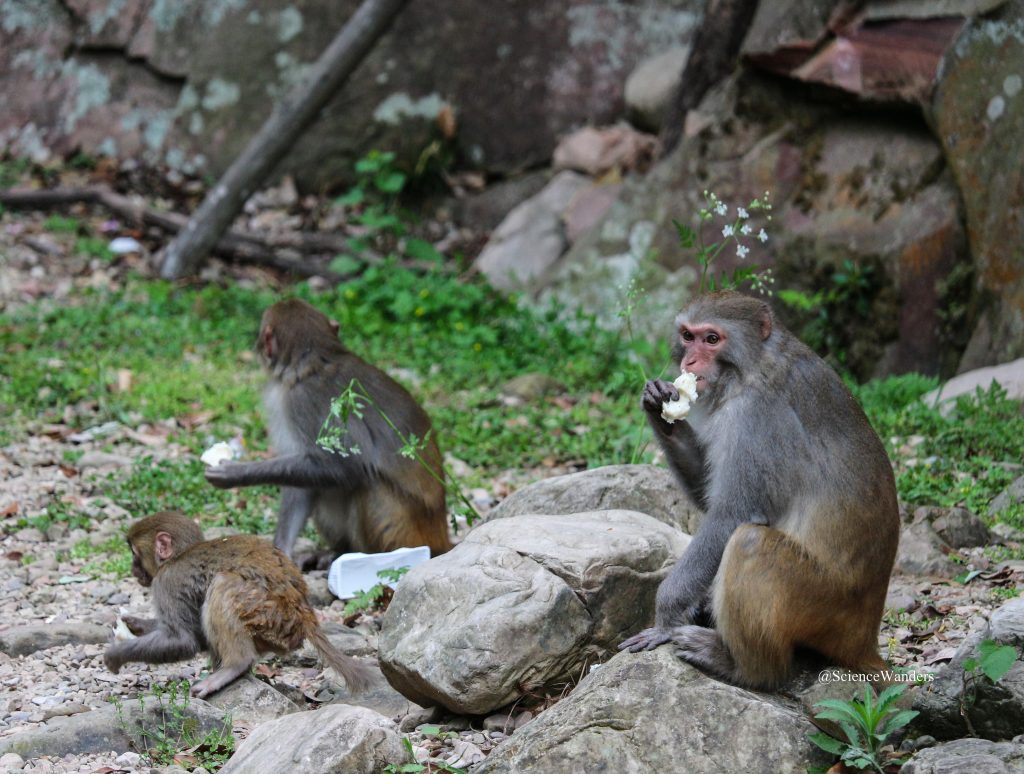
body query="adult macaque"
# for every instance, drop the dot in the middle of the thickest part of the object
(801, 521)
(372, 499)
(236, 597)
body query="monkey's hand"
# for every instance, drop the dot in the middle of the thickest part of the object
(648, 639)
(225, 475)
(658, 392)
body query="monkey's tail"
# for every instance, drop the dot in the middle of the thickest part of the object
(356, 674)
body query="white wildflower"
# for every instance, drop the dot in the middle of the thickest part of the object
(721, 209)
(727, 232)
(762, 235)
(741, 251)
(745, 229)
(742, 213)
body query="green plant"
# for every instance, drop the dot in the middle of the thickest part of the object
(174, 738)
(416, 768)
(737, 227)
(94, 247)
(371, 598)
(60, 224)
(867, 723)
(333, 434)
(992, 663)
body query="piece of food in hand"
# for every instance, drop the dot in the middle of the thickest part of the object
(218, 453)
(673, 410)
(121, 631)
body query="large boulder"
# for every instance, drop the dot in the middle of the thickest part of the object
(646, 488)
(870, 193)
(189, 83)
(975, 755)
(978, 114)
(521, 603)
(652, 712)
(337, 737)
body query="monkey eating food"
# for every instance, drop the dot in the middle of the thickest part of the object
(236, 597)
(801, 520)
(373, 499)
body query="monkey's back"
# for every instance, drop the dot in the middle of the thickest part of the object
(257, 582)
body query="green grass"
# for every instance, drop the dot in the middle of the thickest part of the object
(189, 352)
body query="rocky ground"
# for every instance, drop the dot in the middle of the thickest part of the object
(63, 606)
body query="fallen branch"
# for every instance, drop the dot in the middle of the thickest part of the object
(235, 245)
(278, 134)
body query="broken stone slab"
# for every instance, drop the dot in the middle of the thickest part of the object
(1009, 376)
(521, 603)
(652, 86)
(922, 552)
(334, 738)
(129, 726)
(22, 640)
(980, 756)
(252, 701)
(652, 712)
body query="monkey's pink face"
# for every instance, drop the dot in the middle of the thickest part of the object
(701, 345)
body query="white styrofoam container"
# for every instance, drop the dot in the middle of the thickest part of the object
(355, 572)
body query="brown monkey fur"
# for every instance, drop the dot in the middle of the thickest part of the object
(801, 520)
(375, 499)
(236, 597)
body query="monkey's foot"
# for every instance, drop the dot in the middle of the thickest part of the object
(648, 639)
(705, 649)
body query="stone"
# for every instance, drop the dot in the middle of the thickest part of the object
(958, 527)
(652, 86)
(531, 238)
(29, 638)
(997, 709)
(532, 386)
(595, 151)
(979, 756)
(614, 720)
(252, 701)
(1009, 376)
(336, 737)
(645, 488)
(1012, 495)
(486, 209)
(113, 728)
(521, 603)
(588, 208)
(978, 114)
(922, 552)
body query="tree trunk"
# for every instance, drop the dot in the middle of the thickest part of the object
(277, 135)
(712, 57)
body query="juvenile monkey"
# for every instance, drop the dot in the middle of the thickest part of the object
(801, 520)
(374, 499)
(236, 597)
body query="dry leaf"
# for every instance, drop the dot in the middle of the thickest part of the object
(9, 510)
(124, 380)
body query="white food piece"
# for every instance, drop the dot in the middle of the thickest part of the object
(217, 454)
(673, 410)
(121, 631)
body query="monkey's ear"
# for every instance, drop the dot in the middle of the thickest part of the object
(765, 322)
(267, 341)
(164, 546)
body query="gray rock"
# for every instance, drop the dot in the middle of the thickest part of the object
(615, 720)
(532, 237)
(335, 738)
(651, 87)
(645, 488)
(978, 756)
(922, 552)
(532, 386)
(108, 728)
(485, 210)
(958, 527)
(100, 459)
(1010, 376)
(252, 701)
(997, 709)
(22, 640)
(523, 602)
(1012, 495)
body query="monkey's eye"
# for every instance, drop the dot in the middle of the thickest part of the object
(687, 336)
(712, 338)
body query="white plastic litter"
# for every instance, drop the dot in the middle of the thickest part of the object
(123, 245)
(218, 453)
(355, 572)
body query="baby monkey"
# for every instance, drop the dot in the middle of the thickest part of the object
(236, 597)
